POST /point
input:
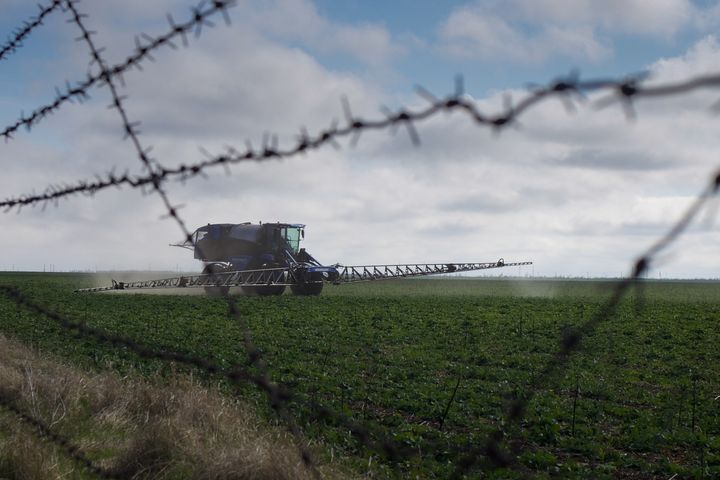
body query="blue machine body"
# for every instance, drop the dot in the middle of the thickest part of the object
(248, 246)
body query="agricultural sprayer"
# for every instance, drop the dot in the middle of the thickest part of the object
(264, 259)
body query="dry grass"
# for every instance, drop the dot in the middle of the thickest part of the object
(135, 427)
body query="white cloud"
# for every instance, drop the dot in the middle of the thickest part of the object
(299, 21)
(533, 31)
(474, 33)
(702, 58)
(593, 185)
(576, 194)
(661, 18)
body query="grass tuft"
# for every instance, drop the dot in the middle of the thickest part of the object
(134, 427)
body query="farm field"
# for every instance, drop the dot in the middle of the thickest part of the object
(429, 366)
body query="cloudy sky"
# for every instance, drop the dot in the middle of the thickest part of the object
(578, 193)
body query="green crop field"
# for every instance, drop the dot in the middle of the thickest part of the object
(641, 399)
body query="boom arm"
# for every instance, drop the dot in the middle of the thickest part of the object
(295, 275)
(377, 272)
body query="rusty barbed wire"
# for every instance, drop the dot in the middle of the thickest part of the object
(43, 430)
(15, 40)
(623, 91)
(131, 132)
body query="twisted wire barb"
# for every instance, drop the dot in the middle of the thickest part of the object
(568, 89)
(277, 396)
(130, 128)
(142, 51)
(15, 40)
(237, 374)
(491, 448)
(44, 431)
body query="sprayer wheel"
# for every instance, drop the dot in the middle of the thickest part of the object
(307, 288)
(215, 291)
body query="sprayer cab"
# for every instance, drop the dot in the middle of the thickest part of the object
(225, 247)
(246, 245)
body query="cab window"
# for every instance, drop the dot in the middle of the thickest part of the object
(292, 236)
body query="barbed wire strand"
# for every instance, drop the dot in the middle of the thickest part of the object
(571, 342)
(199, 19)
(44, 431)
(277, 395)
(142, 51)
(15, 40)
(238, 374)
(568, 89)
(130, 130)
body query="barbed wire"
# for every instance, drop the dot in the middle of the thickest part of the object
(15, 40)
(237, 374)
(278, 404)
(130, 128)
(43, 430)
(199, 19)
(570, 89)
(571, 341)
(278, 397)
(106, 77)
